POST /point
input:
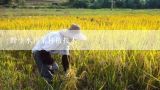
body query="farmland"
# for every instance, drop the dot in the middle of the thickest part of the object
(91, 69)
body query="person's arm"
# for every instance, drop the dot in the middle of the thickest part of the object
(65, 62)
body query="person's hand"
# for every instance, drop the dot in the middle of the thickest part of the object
(66, 74)
(53, 68)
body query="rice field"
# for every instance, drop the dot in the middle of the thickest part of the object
(91, 69)
(98, 22)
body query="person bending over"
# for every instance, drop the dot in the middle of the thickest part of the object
(55, 43)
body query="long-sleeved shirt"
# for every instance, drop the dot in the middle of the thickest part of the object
(53, 42)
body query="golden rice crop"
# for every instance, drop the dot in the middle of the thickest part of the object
(98, 22)
(90, 70)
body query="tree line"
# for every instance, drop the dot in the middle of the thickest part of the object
(135, 4)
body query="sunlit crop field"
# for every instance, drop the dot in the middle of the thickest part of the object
(90, 70)
(99, 22)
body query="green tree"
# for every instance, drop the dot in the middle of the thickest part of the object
(7, 1)
(120, 3)
(153, 3)
(80, 3)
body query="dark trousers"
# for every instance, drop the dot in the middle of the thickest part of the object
(43, 59)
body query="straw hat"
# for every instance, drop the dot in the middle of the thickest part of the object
(74, 33)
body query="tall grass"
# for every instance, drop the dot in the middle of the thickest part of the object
(90, 70)
(87, 22)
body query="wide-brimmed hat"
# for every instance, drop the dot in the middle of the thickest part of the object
(74, 33)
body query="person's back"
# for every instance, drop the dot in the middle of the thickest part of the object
(53, 42)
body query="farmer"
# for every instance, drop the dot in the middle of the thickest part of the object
(55, 43)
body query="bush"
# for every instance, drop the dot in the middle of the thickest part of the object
(81, 4)
(101, 4)
(97, 4)
(119, 4)
(94, 6)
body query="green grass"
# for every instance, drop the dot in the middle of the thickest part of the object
(44, 12)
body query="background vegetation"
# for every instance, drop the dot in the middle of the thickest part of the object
(134, 4)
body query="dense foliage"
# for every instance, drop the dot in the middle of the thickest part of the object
(119, 3)
(135, 4)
